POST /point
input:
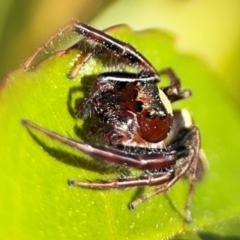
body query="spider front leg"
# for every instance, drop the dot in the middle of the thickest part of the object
(83, 59)
(188, 166)
(55, 44)
(120, 49)
(173, 91)
(109, 154)
(59, 43)
(145, 180)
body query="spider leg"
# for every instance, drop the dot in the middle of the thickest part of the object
(146, 180)
(121, 49)
(141, 162)
(173, 91)
(83, 59)
(192, 180)
(189, 167)
(49, 47)
(178, 174)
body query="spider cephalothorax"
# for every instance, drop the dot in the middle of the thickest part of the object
(139, 126)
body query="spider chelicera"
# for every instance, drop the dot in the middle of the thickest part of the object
(139, 126)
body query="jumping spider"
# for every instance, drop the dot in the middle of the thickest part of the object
(139, 126)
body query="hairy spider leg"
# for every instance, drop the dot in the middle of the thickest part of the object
(142, 162)
(145, 180)
(32, 61)
(155, 161)
(124, 51)
(188, 167)
(83, 59)
(173, 91)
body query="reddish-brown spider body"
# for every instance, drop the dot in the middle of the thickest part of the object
(139, 126)
(131, 112)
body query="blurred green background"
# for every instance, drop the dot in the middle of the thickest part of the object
(208, 28)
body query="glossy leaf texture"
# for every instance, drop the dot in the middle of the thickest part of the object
(36, 202)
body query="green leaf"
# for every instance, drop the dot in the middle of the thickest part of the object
(36, 202)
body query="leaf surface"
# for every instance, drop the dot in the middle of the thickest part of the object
(36, 202)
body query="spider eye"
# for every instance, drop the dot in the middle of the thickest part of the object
(151, 114)
(139, 106)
